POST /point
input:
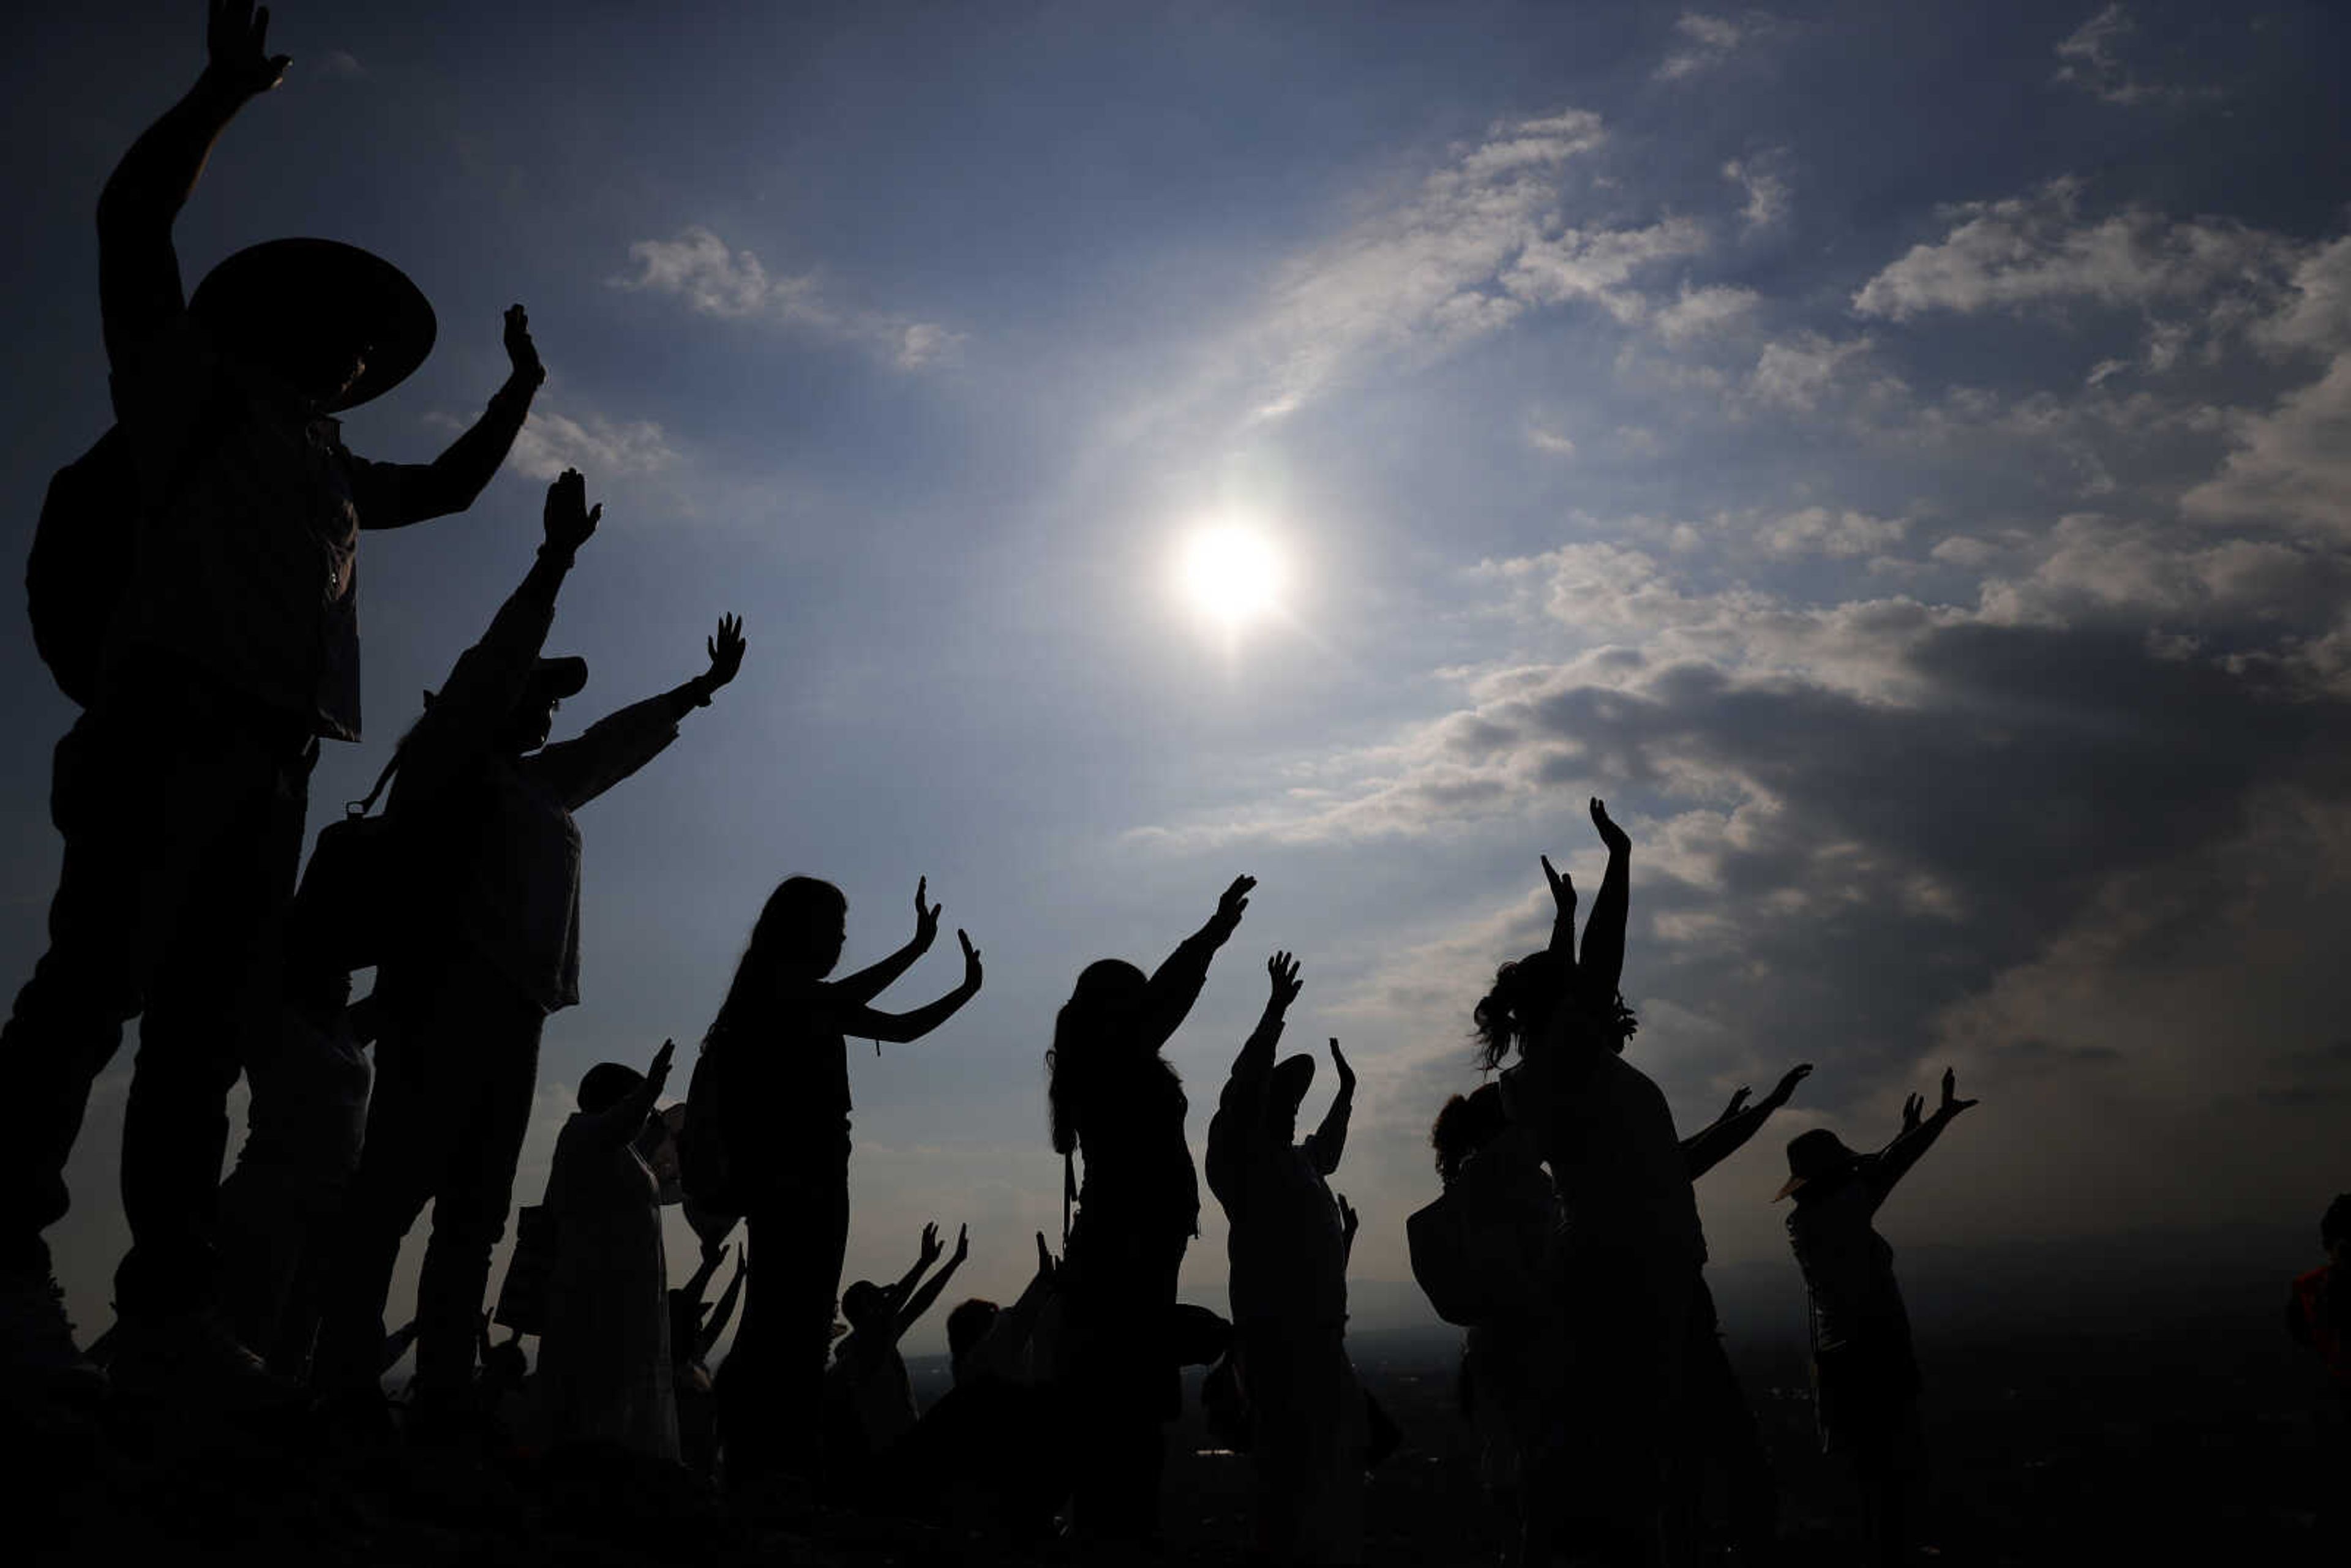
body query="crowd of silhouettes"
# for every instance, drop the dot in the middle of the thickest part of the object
(1565, 1236)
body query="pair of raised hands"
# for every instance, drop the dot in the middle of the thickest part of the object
(1281, 969)
(1619, 842)
(927, 931)
(1951, 1105)
(569, 522)
(931, 1248)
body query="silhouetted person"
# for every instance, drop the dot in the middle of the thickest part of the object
(2318, 1315)
(1633, 1245)
(1716, 1423)
(869, 1399)
(778, 1058)
(492, 947)
(232, 649)
(1864, 1371)
(604, 1356)
(1287, 1242)
(1115, 1100)
(1513, 1356)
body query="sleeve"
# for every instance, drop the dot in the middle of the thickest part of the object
(483, 688)
(576, 771)
(389, 495)
(1174, 986)
(1239, 1113)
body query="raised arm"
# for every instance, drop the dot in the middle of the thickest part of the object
(577, 770)
(1895, 1161)
(475, 703)
(873, 980)
(1562, 917)
(1240, 1106)
(139, 288)
(626, 1118)
(1601, 970)
(1328, 1141)
(866, 1023)
(394, 495)
(1704, 1150)
(1175, 985)
(920, 1302)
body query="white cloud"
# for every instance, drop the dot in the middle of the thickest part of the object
(715, 279)
(1795, 371)
(2092, 62)
(1768, 202)
(341, 65)
(1700, 311)
(1706, 42)
(2291, 464)
(2036, 250)
(1840, 534)
(602, 448)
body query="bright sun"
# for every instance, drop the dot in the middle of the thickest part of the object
(1232, 574)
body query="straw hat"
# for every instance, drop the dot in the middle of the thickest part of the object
(293, 289)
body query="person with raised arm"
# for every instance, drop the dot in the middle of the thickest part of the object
(604, 1372)
(489, 948)
(1633, 1244)
(1116, 1102)
(193, 586)
(775, 1064)
(869, 1399)
(1864, 1370)
(1288, 1241)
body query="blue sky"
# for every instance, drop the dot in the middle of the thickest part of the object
(1893, 454)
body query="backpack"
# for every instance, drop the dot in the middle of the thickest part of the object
(74, 578)
(357, 894)
(703, 1167)
(1465, 1265)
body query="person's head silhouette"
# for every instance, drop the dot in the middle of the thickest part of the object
(606, 1084)
(867, 1306)
(1467, 1123)
(1285, 1092)
(337, 325)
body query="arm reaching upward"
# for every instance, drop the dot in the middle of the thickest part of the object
(1603, 965)
(873, 980)
(394, 495)
(1175, 985)
(1562, 917)
(920, 1302)
(1328, 1141)
(139, 288)
(577, 770)
(626, 1117)
(866, 1023)
(1916, 1138)
(1240, 1105)
(1704, 1150)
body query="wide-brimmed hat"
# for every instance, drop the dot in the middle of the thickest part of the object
(564, 677)
(286, 290)
(1814, 1155)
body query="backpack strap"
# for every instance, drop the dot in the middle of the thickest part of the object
(366, 803)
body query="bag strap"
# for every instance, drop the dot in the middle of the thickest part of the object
(366, 803)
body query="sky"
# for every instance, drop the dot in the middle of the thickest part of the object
(1894, 455)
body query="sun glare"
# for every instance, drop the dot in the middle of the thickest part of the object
(1232, 574)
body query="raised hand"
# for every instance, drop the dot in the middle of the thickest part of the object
(726, 647)
(658, 1074)
(1781, 1090)
(1738, 1101)
(1953, 1104)
(1346, 1073)
(971, 975)
(1911, 1108)
(1282, 969)
(1618, 840)
(521, 352)
(569, 520)
(963, 1244)
(1562, 890)
(929, 1253)
(1233, 902)
(927, 916)
(236, 47)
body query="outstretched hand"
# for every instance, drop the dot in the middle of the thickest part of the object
(1738, 1103)
(658, 1074)
(1618, 840)
(1346, 1073)
(569, 520)
(1953, 1104)
(1786, 1087)
(927, 916)
(1234, 903)
(971, 975)
(521, 352)
(237, 49)
(726, 647)
(1282, 969)
(929, 1253)
(963, 1244)
(1912, 1108)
